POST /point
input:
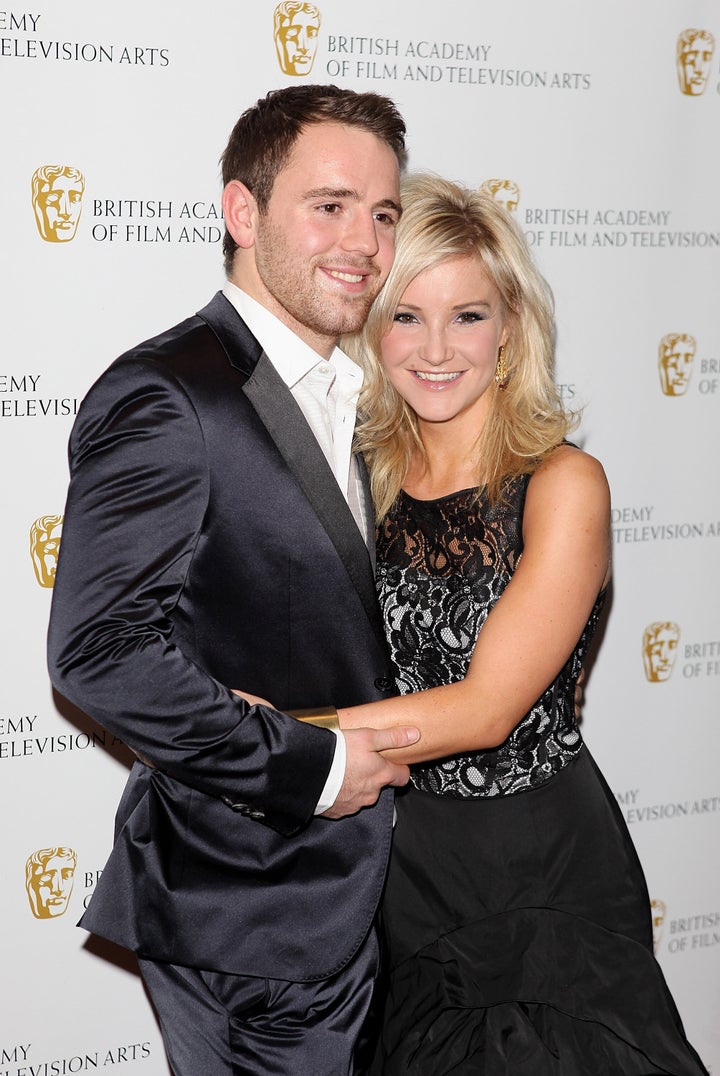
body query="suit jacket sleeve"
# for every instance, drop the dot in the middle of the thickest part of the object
(136, 511)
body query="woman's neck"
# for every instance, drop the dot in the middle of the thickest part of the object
(450, 462)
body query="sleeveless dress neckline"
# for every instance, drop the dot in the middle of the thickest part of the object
(445, 496)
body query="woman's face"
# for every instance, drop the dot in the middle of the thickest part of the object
(442, 349)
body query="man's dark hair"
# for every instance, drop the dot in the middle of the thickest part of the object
(263, 138)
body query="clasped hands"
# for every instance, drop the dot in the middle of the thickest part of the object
(367, 770)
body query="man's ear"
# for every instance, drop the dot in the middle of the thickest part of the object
(240, 212)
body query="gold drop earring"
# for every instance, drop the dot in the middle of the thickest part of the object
(501, 368)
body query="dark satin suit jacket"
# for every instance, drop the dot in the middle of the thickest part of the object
(206, 545)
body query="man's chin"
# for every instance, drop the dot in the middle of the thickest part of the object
(347, 318)
(353, 324)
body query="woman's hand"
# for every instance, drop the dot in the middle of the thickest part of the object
(254, 700)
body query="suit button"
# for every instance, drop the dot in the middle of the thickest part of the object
(384, 683)
(256, 815)
(242, 807)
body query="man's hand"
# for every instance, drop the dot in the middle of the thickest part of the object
(366, 771)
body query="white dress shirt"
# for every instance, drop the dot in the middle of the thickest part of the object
(326, 390)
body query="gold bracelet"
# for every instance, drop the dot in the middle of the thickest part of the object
(325, 717)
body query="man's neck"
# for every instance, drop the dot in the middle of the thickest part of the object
(250, 282)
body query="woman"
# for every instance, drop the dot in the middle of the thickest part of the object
(516, 914)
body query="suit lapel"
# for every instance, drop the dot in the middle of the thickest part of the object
(294, 439)
(288, 428)
(367, 506)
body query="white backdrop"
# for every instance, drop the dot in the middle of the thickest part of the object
(580, 117)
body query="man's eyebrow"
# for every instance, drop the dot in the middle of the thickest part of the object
(333, 192)
(336, 193)
(388, 203)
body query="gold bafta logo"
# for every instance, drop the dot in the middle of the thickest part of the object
(57, 192)
(675, 359)
(296, 29)
(657, 910)
(504, 191)
(694, 55)
(49, 877)
(44, 548)
(660, 644)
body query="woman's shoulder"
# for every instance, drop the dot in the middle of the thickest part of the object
(568, 464)
(571, 476)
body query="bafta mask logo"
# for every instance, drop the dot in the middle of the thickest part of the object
(675, 359)
(296, 30)
(57, 191)
(504, 191)
(44, 548)
(694, 55)
(660, 644)
(49, 877)
(657, 910)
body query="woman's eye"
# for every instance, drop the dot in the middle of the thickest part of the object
(403, 318)
(470, 316)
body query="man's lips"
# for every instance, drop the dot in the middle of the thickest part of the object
(351, 278)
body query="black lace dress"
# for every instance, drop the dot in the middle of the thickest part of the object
(516, 914)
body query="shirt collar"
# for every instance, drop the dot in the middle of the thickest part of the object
(291, 356)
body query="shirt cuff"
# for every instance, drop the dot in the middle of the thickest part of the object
(335, 777)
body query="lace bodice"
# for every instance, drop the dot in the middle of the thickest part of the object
(441, 566)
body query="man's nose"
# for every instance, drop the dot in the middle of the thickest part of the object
(361, 234)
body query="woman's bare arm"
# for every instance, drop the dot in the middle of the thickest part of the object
(533, 628)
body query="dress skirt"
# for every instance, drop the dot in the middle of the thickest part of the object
(519, 939)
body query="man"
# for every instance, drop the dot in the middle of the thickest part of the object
(209, 543)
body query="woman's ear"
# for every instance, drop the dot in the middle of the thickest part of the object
(240, 213)
(510, 320)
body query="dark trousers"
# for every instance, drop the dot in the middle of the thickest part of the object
(214, 1024)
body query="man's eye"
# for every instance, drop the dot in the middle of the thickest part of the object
(386, 218)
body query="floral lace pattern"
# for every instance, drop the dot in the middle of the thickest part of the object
(441, 566)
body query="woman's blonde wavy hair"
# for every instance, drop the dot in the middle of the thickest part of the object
(527, 420)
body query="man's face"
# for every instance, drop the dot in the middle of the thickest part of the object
(298, 36)
(677, 367)
(53, 885)
(695, 60)
(325, 245)
(60, 202)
